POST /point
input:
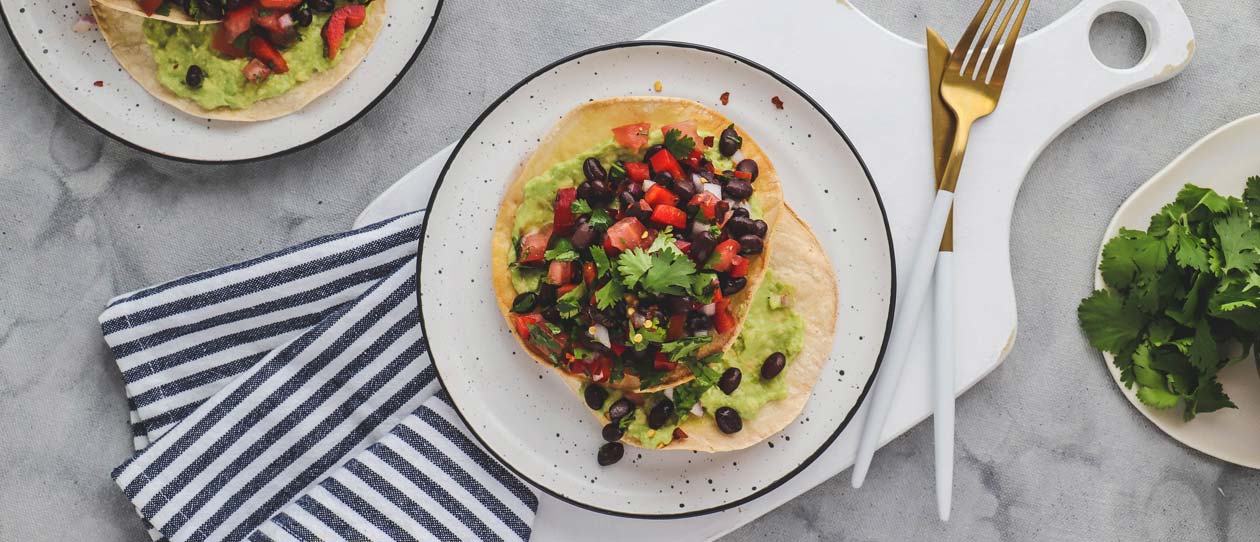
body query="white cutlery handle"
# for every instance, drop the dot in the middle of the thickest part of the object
(943, 382)
(909, 311)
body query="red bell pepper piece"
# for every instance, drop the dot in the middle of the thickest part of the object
(638, 171)
(724, 255)
(739, 266)
(707, 203)
(282, 5)
(664, 160)
(266, 53)
(564, 218)
(149, 7)
(662, 363)
(659, 195)
(669, 215)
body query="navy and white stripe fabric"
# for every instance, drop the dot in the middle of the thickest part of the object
(290, 397)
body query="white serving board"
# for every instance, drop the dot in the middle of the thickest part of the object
(874, 83)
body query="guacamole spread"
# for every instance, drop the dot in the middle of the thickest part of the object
(176, 47)
(771, 326)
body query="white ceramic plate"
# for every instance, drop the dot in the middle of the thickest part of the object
(523, 414)
(71, 63)
(1222, 161)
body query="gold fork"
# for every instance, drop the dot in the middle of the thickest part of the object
(971, 88)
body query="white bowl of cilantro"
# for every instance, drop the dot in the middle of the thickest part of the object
(1177, 306)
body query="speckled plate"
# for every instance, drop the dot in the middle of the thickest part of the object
(78, 68)
(1221, 161)
(524, 415)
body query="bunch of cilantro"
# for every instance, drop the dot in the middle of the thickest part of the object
(1180, 297)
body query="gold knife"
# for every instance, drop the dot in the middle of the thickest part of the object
(943, 125)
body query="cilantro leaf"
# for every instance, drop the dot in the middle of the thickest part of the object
(633, 264)
(570, 303)
(600, 257)
(580, 207)
(670, 274)
(600, 219)
(1192, 198)
(1240, 242)
(608, 295)
(1130, 253)
(1157, 398)
(685, 347)
(1251, 196)
(562, 252)
(679, 145)
(1109, 322)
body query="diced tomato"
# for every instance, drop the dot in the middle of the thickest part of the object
(675, 330)
(618, 348)
(662, 363)
(707, 202)
(679, 434)
(268, 20)
(694, 159)
(743, 175)
(637, 398)
(578, 367)
(534, 246)
(683, 246)
(638, 171)
(256, 71)
(149, 7)
(722, 319)
(564, 218)
(659, 195)
(283, 5)
(632, 136)
(524, 321)
(223, 44)
(626, 234)
(560, 273)
(739, 266)
(600, 368)
(724, 255)
(669, 215)
(238, 21)
(688, 129)
(664, 160)
(266, 53)
(588, 273)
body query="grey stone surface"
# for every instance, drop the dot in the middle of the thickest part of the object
(1048, 448)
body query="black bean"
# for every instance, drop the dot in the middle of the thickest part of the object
(633, 188)
(546, 295)
(302, 16)
(722, 208)
(595, 397)
(760, 228)
(660, 414)
(525, 302)
(749, 167)
(584, 191)
(740, 212)
(685, 189)
(675, 304)
(621, 408)
(733, 285)
(730, 142)
(702, 245)
(773, 365)
(750, 244)
(194, 77)
(209, 9)
(706, 175)
(738, 190)
(728, 420)
(321, 6)
(593, 170)
(699, 321)
(612, 432)
(584, 236)
(610, 453)
(664, 178)
(730, 380)
(627, 200)
(739, 226)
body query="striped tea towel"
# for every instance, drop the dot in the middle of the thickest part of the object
(290, 397)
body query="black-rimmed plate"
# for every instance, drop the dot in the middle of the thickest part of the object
(520, 411)
(68, 54)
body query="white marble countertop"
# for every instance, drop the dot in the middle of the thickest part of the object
(1048, 449)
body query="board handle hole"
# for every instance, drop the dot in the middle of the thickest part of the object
(1118, 40)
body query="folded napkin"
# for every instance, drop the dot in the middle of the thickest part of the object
(291, 397)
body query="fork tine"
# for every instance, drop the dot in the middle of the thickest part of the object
(964, 43)
(997, 41)
(974, 59)
(1004, 63)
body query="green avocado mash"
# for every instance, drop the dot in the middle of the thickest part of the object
(771, 326)
(176, 47)
(537, 207)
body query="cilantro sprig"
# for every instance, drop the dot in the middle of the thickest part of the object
(679, 145)
(1179, 295)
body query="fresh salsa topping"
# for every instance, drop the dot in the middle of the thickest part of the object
(261, 30)
(635, 271)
